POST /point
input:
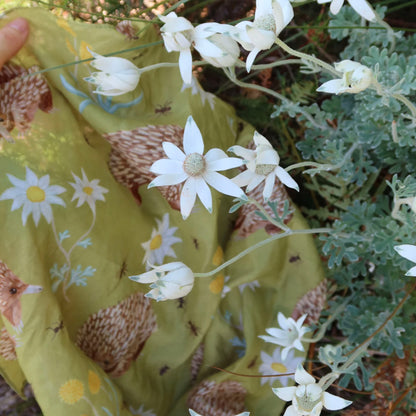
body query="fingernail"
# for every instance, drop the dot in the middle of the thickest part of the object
(20, 25)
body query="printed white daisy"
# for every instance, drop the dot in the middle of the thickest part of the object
(193, 413)
(117, 76)
(274, 364)
(196, 170)
(141, 411)
(408, 251)
(289, 335)
(178, 35)
(308, 398)
(355, 78)
(360, 6)
(262, 165)
(270, 18)
(87, 191)
(36, 196)
(169, 281)
(160, 244)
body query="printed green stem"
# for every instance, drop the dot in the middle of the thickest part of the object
(261, 244)
(307, 57)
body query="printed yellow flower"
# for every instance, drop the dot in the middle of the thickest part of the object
(94, 382)
(72, 391)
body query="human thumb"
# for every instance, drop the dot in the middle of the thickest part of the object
(12, 38)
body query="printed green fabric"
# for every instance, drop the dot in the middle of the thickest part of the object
(78, 219)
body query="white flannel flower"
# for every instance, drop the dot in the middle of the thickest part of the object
(160, 244)
(169, 281)
(270, 18)
(360, 6)
(178, 35)
(36, 196)
(355, 78)
(262, 165)
(408, 251)
(214, 43)
(289, 335)
(308, 398)
(193, 413)
(196, 169)
(275, 364)
(117, 76)
(87, 191)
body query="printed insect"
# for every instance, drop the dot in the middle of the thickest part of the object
(164, 108)
(252, 362)
(56, 329)
(123, 269)
(181, 303)
(193, 328)
(163, 370)
(294, 259)
(196, 242)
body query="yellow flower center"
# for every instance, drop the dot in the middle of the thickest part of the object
(194, 164)
(88, 190)
(156, 242)
(35, 194)
(266, 22)
(265, 169)
(217, 284)
(279, 367)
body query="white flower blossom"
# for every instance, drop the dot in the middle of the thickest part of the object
(355, 78)
(36, 196)
(178, 35)
(289, 335)
(117, 76)
(262, 165)
(87, 191)
(270, 18)
(215, 44)
(360, 6)
(160, 244)
(408, 251)
(195, 169)
(308, 398)
(169, 281)
(275, 364)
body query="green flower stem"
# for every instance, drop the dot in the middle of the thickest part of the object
(408, 104)
(269, 218)
(231, 76)
(322, 166)
(307, 57)
(328, 322)
(168, 65)
(261, 244)
(328, 379)
(260, 67)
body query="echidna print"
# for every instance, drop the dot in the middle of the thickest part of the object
(248, 221)
(196, 361)
(217, 399)
(11, 290)
(21, 97)
(312, 303)
(7, 346)
(126, 28)
(134, 151)
(113, 337)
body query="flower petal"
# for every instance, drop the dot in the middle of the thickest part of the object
(224, 164)
(166, 180)
(204, 193)
(148, 277)
(411, 272)
(363, 9)
(256, 180)
(268, 186)
(223, 184)
(408, 251)
(285, 393)
(215, 154)
(332, 402)
(167, 167)
(285, 178)
(173, 152)
(303, 377)
(336, 6)
(241, 151)
(188, 196)
(334, 86)
(244, 178)
(250, 58)
(192, 138)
